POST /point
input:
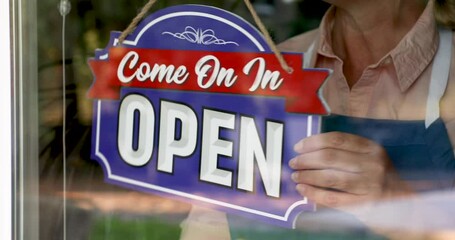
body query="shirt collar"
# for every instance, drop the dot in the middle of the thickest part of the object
(410, 57)
(325, 40)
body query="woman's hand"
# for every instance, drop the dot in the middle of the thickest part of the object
(338, 169)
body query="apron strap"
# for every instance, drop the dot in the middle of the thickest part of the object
(439, 76)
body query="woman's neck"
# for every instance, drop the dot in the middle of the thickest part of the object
(365, 31)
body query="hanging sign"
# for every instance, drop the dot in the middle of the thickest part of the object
(193, 105)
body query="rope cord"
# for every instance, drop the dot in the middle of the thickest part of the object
(267, 36)
(136, 21)
(253, 13)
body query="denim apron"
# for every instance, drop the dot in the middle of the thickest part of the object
(421, 151)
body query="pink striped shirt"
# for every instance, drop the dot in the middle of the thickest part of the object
(396, 87)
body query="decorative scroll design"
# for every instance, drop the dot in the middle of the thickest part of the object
(199, 36)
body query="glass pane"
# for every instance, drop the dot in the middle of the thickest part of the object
(61, 191)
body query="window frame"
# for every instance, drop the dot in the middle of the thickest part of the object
(5, 125)
(21, 92)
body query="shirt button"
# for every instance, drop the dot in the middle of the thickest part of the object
(387, 61)
(325, 48)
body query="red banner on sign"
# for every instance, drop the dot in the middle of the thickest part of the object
(214, 72)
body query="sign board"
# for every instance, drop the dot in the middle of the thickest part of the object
(193, 105)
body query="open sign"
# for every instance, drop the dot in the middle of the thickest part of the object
(209, 122)
(138, 150)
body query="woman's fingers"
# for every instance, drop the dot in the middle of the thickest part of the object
(339, 168)
(329, 179)
(326, 197)
(330, 158)
(335, 140)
